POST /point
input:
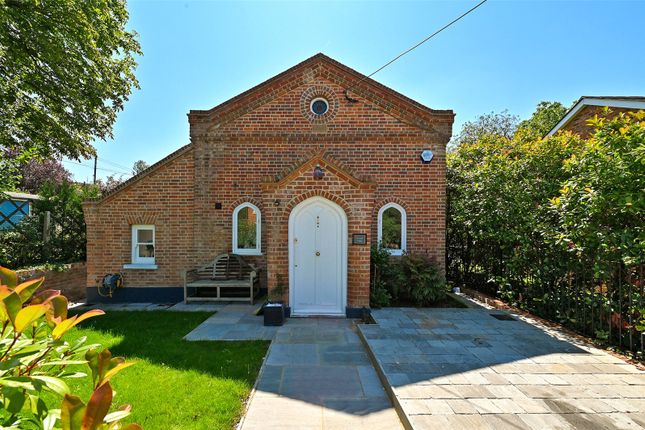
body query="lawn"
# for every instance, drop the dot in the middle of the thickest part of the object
(175, 384)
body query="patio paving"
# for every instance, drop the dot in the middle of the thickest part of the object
(463, 368)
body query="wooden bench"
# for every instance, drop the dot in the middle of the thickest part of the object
(226, 272)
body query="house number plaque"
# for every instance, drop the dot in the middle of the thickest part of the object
(359, 239)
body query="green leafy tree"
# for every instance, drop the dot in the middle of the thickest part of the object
(139, 166)
(501, 124)
(66, 69)
(545, 117)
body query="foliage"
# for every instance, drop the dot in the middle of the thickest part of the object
(382, 289)
(35, 360)
(391, 228)
(110, 183)
(24, 245)
(139, 166)
(493, 124)
(553, 225)
(175, 384)
(66, 69)
(545, 117)
(600, 206)
(421, 280)
(36, 174)
(9, 167)
(246, 228)
(407, 279)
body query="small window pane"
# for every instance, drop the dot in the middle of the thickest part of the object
(391, 235)
(246, 228)
(319, 107)
(145, 251)
(144, 236)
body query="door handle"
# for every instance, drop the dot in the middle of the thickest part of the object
(317, 253)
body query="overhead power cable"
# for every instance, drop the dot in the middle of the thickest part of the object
(113, 164)
(98, 168)
(411, 49)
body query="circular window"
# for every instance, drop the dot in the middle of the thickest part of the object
(319, 106)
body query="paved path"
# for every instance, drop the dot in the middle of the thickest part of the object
(316, 375)
(233, 322)
(463, 369)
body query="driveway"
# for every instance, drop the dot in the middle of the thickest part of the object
(466, 368)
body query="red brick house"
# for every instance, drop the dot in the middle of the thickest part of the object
(587, 107)
(299, 175)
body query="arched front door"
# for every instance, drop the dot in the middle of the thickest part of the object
(317, 258)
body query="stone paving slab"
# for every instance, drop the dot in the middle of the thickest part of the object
(462, 368)
(317, 375)
(233, 322)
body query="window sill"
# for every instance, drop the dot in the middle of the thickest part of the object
(140, 266)
(247, 253)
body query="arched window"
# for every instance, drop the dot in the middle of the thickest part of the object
(392, 228)
(247, 225)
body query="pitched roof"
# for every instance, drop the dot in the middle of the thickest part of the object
(167, 159)
(364, 86)
(630, 102)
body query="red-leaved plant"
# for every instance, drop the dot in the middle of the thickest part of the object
(35, 360)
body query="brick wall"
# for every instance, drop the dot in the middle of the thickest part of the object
(579, 123)
(261, 147)
(164, 198)
(70, 280)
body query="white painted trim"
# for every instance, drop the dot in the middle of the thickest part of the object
(140, 266)
(404, 228)
(343, 248)
(258, 231)
(592, 101)
(311, 106)
(143, 261)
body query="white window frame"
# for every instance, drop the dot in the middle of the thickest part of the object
(258, 231)
(142, 262)
(404, 227)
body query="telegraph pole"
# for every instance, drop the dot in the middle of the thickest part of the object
(95, 158)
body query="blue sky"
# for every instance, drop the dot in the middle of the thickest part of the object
(505, 55)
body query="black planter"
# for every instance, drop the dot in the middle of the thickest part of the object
(274, 314)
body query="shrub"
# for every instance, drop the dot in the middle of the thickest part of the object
(421, 280)
(555, 225)
(35, 362)
(403, 280)
(381, 287)
(24, 245)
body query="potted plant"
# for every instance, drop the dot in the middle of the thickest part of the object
(274, 307)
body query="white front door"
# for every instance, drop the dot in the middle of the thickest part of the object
(317, 258)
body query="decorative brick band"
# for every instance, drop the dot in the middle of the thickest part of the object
(387, 200)
(315, 193)
(314, 92)
(141, 218)
(241, 200)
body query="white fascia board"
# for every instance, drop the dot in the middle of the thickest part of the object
(592, 101)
